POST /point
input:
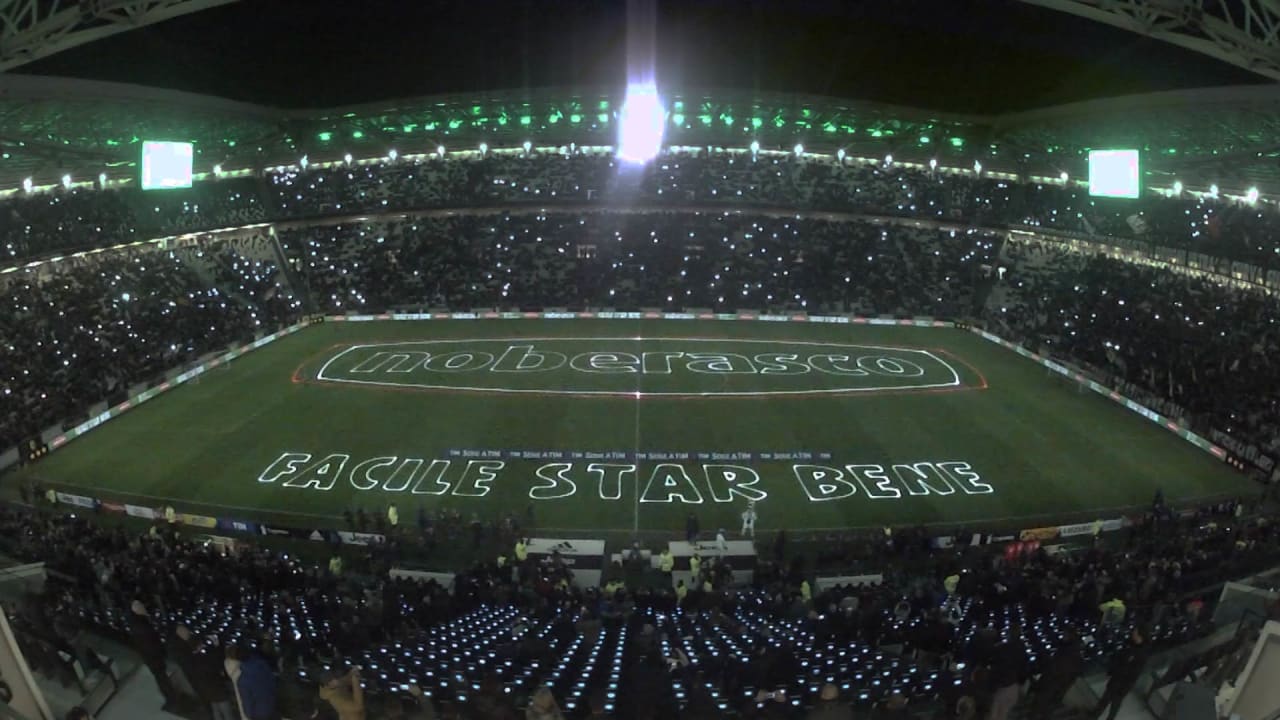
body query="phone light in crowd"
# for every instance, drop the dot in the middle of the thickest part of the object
(799, 149)
(933, 163)
(102, 179)
(1064, 177)
(347, 158)
(1213, 191)
(304, 162)
(528, 146)
(27, 184)
(392, 154)
(640, 124)
(440, 150)
(217, 170)
(840, 155)
(1252, 195)
(484, 148)
(66, 181)
(888, 159)
(1177, 187)
(977, 167)
(755, 146)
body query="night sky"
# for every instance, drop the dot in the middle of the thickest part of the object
(972, 56)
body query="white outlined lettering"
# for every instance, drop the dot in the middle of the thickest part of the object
(726, 481)
(875, 483)
(523, 359)
(716, 363)
(822, 483)
(827, 364)
(477, 476)
(322, 474)
(559, 484)
(361, 477)
(781, 364)
(674, 484)
(610, 478)
(286, 464)
(431, 481)
(923, 478)
(964, 476)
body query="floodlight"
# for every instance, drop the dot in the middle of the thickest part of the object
(799, 149)
(640, 124)
(347, 158)
(527, 147)
(1213, 190)
(840, 154)
(977, 167)
(1177, 187)
(27, 184)
(217, 169)
(102, 179)
(1252, 195)
(66, 181)
(888, 159)
(440, 150)
(484, 148)
(1064, 177)
(393, 154)
(755, 146)
(304, 162)
(933, 163)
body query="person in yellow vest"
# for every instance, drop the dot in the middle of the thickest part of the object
(950, 583)
(1113, 611)
(707, 586)
(1097, 527)
(51, 496)
(335, 565)
(522, 552)
(695, 565)
(170, 516)
(393, 516)
(502, 561)
(666, 563)
(806, 594)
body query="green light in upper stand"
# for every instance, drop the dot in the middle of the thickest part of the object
(678, 106)
(705, 119)
(476, 109)
(876, 132)
(575, 118)
(410, 127)
(325, 136)
(231, 143)
(113, 143)
(779, 121)
(727, 119)
(678, 119)
(429, 126)
(829, 127)
(806, 113)
(604, 104)
(526, 119)
(924, 140)
(603, 118)
(757, 122)
(455, 124)
(957, 142)
(554, 117)
(502, 119)
(1172, 151)
(357, 134)
(349, 115)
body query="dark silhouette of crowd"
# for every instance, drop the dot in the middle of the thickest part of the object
(929, 635)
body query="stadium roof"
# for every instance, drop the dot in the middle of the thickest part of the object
(50, 127)
(1017, 87)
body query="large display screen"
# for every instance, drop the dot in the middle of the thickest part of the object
(1114, 173)
(166, 165)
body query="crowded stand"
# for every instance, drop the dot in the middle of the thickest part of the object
(650, 259)
(1206, 351)
(949, 625)
(89, 328)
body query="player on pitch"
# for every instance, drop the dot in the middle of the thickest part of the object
(749, 519)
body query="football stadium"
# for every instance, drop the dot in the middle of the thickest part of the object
(644, 359)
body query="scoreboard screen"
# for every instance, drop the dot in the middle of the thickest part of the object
(1114, 173)
(166, 165)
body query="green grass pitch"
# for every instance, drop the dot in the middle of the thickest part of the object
(901, 425)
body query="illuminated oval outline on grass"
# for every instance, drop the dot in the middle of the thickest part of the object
(874, 366)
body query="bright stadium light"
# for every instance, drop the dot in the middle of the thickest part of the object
(1064, 177)
(1252, 195)
(1177, 187)
(1213, 190)
(102, 179)
(27, 184)
(393, 154)
(217, 170)
(799, 149)
(527, 147)
(977, 167)
(440, 150)
(346, 158)
(66, 181)
(888, 159)
(640, 124)
(484, 148)
(840, 155)
(304, 162)
(933, 163)
(755, 146)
